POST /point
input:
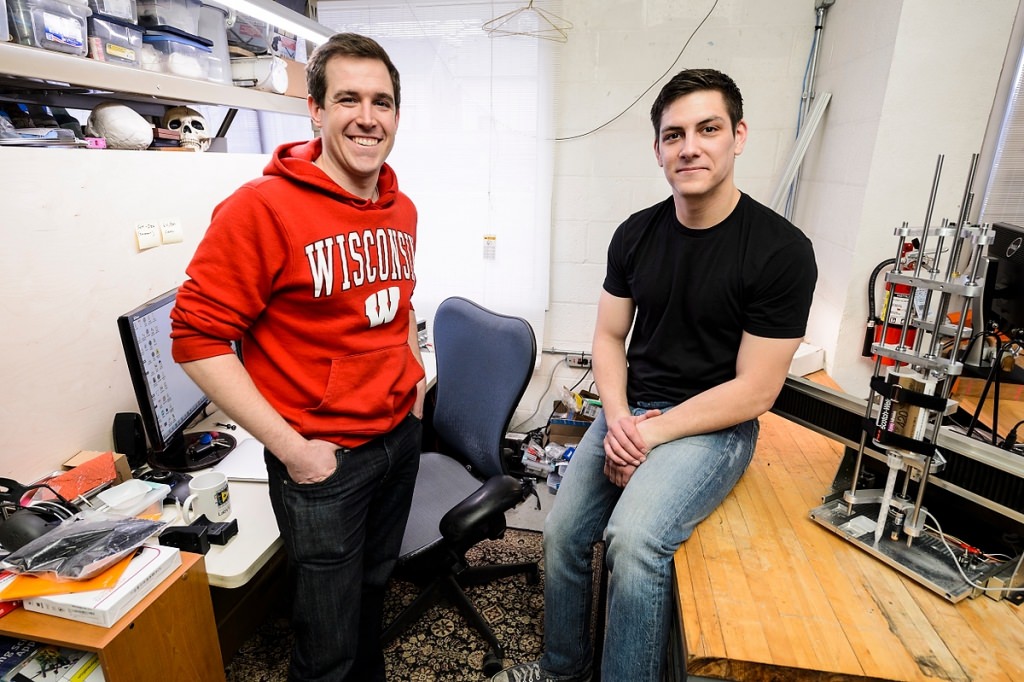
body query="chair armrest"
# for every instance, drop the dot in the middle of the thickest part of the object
(480, 509)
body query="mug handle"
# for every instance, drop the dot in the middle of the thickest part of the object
(186, 508)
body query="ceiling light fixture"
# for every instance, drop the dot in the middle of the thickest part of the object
(283, 18)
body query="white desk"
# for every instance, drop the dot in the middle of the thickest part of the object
(234, 564)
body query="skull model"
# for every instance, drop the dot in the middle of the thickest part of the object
(195, 133)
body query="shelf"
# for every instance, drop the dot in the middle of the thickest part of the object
(170, 635)
(49, 74)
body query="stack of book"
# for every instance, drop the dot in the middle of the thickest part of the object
(9, 604)
(101, 601)
(22, 660)
(139, 575)
(165, 139)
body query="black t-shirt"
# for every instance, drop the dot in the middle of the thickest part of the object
(697, 291)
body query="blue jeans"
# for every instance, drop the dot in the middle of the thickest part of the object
(643, 524)
(342, 537)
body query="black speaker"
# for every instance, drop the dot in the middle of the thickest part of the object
(129, 438)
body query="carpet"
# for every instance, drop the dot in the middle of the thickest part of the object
(441, 646)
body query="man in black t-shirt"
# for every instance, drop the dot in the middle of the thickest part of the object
(713, 291)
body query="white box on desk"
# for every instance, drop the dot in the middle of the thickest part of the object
(147, 569)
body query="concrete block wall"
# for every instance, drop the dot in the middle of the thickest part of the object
(920, 84)
(621, 52)
(910, 79)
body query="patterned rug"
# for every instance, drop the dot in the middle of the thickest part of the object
(440, 646)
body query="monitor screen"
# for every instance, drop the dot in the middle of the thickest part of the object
(1004, 285)
(168, 400)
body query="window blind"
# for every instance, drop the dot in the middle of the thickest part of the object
(1003, 199)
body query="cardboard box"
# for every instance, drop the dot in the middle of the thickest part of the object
(567, 425)
(296, 78)
(123, 471)
(150, 566)
(86, 472)
(565, 434)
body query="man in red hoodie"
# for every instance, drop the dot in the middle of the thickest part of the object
(311, 268)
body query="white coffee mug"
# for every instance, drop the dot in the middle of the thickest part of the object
(208, 494)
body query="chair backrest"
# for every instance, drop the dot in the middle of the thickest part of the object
(484, 363)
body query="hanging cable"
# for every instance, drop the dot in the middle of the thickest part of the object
(873, 319)
(649, 87)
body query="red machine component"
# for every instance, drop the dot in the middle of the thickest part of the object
(896, 307)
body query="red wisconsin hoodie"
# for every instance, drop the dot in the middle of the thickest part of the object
(317, 284)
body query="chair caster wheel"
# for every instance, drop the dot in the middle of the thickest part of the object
(492, 664)
(533, 576)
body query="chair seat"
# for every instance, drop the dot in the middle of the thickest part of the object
(440, 485)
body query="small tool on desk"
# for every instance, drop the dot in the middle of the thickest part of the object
(209, 442)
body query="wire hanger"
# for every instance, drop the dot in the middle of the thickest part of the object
(549, 26)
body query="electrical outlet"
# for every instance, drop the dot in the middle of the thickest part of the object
(581, 360)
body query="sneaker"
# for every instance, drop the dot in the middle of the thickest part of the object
(532, 672)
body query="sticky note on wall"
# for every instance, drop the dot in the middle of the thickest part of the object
(171, 231)
(148, 235)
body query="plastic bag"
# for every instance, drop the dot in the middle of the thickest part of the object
(83, 546)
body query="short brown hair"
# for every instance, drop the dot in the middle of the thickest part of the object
(694, 80)
(346, 45)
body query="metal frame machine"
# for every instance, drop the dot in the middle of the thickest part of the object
(881, 508)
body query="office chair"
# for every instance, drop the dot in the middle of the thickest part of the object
(484, 363)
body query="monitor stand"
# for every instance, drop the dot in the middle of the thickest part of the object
(199, 450)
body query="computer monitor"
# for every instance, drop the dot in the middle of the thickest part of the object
(169, 401)
(1003, 297)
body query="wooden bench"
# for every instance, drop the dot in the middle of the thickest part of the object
(765, 593)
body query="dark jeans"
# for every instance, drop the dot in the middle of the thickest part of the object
(342, 537)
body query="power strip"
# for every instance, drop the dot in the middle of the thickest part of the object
(579, 360)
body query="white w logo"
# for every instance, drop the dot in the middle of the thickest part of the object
(321, 266)
(382, 306)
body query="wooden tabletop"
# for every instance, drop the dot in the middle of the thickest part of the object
(765, 593)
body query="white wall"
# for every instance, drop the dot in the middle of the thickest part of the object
(909, 79)
(617, 51)
(69, 266)
(919, 84)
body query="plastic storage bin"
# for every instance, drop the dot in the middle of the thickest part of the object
(115, 41)
(136, 498)
(119, 9)
(213, 26)
(249, 34)
(180, 14)
(50, 24)
(175, 55)
(266, 72)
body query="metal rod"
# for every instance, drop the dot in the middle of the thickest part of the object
(919, 498)
(931, 207)
(965, 209)
(922, 247)
(863, 435)
(805, 101)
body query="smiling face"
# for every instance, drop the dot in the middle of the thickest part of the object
(697, 147)
(357, 122)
